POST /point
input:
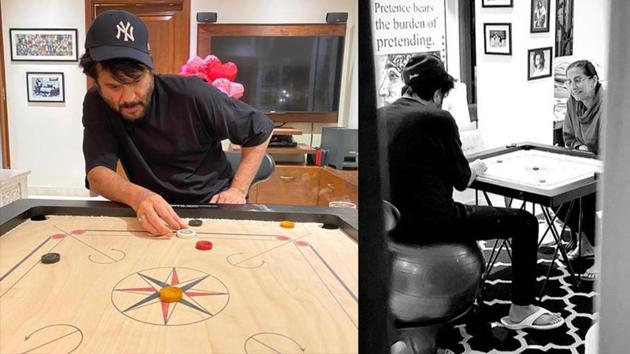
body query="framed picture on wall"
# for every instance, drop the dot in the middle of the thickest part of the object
(497, 38)
(45, 87)
(496, 3)
(539, 63)
(564, 28)
(539, 16)
(40, 44)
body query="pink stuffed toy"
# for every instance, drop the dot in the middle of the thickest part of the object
(213, 71)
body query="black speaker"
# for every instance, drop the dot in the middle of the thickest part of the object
(207, 17)
(337, 17)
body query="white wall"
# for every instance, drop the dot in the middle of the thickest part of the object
(286, 11)
(452, 38)
(46, 138)
(614, 288)
(511, 108)
(591, 32)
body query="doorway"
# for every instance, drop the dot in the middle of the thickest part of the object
(168, 24)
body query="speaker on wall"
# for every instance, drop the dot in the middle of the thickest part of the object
(207, 17)
(337, 17)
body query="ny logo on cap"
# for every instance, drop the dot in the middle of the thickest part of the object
(413, 76)
(127, 30)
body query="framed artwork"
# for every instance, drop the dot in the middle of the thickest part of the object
(564, 28)
(497, 38)
(45, 87)
(539, 16)
(539, 63)
(496, 3)
(40, 44)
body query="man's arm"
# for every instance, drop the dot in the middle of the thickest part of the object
(243, 176)
(154, 213)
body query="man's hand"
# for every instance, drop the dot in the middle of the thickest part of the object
(583, 148)
(229, 196)
(154, 214)
(478, 166)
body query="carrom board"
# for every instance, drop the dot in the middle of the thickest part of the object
(544, 174)
(260, 289)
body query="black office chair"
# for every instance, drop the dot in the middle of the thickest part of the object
(267, 165)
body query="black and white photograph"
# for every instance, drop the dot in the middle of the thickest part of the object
(540, 16)
(496, 3)
(497, 38)
(28, 44)
(315, 177)
(45, 87)
(539, 63)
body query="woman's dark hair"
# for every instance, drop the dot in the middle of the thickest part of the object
(587, 67)
(426, 88)
(122, 69)
(542, 57)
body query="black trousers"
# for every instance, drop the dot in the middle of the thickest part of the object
(588, 216)
(471, 222)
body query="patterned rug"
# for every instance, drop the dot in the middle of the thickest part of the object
(482, 332)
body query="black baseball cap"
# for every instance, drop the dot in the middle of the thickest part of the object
(118, 34)
(424, 66)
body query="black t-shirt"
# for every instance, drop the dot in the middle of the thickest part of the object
(175, 149)
(425, 163)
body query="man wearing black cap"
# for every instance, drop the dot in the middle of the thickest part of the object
(165, 129)
(425, 163)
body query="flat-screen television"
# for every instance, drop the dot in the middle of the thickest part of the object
(291, 75)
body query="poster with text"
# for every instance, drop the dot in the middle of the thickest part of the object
(401, 28)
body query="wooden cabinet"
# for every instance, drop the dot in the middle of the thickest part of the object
(292, 185)
(337, 185)
(307, 185)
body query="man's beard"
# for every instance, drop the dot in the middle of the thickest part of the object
(136, 116)
(143, 104)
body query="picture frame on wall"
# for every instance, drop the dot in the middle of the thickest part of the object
(497, 38)
(564, 28)
(539, 63)
(45, 87)
(496, 3)
(43, 44)
(539, 18)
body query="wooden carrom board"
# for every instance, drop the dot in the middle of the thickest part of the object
(261, 289)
